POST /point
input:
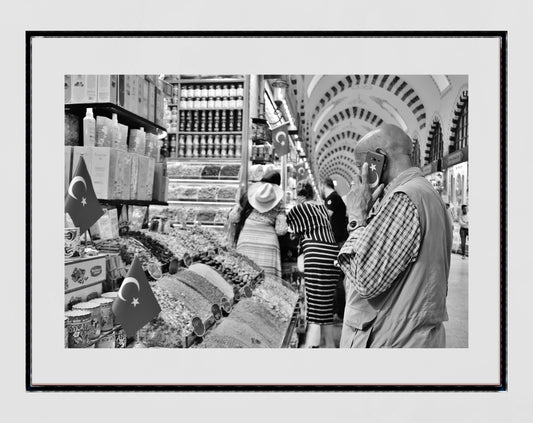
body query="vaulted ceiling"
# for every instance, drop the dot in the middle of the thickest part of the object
(335, 111)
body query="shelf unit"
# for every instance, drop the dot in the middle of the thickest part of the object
(184, 207)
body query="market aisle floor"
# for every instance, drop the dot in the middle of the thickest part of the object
(457, 303)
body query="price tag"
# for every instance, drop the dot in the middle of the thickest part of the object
(217, 314)
(198, 326)
(247, 291)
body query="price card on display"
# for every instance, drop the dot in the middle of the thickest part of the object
(198, 326)
(217, 313)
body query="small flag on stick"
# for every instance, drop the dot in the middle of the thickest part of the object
(280, 139)
(135, 304)
(81, 202)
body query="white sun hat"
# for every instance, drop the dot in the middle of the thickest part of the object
(264, 196)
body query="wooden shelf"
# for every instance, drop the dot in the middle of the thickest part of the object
(205, 160)
(203, 108)
(125, 117)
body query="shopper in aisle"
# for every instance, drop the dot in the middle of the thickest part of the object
(397, 258)
(463, 228)
(310, 220)
(260, 218)
(339, 222)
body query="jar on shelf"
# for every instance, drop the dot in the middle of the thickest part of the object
(232, 91)
(225, 90)
(197, 91)
(189, 104)
(238, 123)
(238, 145)
(231, 118)
(225, 102)
(216, 146)
(231, 146)
(183, 91)
(239, 103)
(188, 146)
(223, 121)
(232, 103)
(204, 91)
(211, 91)
(239, 91)
(203, 103)
(181, 146)
(210, 103)
(175, 90)
(218, 90)
(172, 142)
(175, 100)
(218, 103)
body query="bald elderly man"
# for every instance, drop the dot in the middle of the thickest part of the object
(397, 257)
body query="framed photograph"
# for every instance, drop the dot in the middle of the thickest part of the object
(445, 91)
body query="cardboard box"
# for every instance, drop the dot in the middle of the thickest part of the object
(91, 92)
(104, 132)
(84, 272)
(107, 89)
(159, 107)
(68, 89)
(77, 92)
(145, 179)
(126, 177)
(143, 98)
(151, 102)
(134, 93)
(122, 137)
(134, 175)
(121, 91)
(137, 141)
(159, 191)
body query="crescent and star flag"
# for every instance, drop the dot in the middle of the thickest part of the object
(300, 171)
(280, 139)
(135, 304)
(81, 202)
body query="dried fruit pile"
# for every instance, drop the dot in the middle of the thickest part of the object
(156, 248)
(131, 247)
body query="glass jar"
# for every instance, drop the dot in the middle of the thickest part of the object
(184, 91)
(232, 91)
(232, 103)
(224, 103)
(218, 91)
(239, 103)
(240, 91)
(211, 103)
(204, 91)
(197, 91)
(183, 103)
(218, 103)
(211, 91)
(189, 103)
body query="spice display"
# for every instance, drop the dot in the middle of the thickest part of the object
(230, 172)
(173, 323)
(222, 215)
(137, 245)
(198, 304)
(206, 215)
(213, 277)
(184, 170)
(280, 299)
(159, 251)
(211, 172)
(227, 193)
(182, 192)
(201, 285)
(208, 192)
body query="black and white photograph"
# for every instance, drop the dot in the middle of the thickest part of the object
(266, 211)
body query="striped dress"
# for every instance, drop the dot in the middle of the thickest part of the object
(311, 221)
(258, 238)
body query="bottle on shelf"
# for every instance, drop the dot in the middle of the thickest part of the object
(238, 126)
(195, 146)
(209, 149)
(188, 146)
(211, 91)
(231, 119)
(232, 91)
(223, 146)
(218, 90)
(204, 91)
(216, 146)
(172, 149)
(223, 121)
(89, 129)
(238, 146)
(239, 91)
(231, 146)
(181, 146)
(197, 91)
(184, 92)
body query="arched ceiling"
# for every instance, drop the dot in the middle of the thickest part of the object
(335, 111)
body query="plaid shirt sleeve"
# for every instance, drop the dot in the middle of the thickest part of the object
(375, 255)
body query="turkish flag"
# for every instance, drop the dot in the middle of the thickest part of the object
(300, 171)
(135, 304)
(280, 139)
(81, 202)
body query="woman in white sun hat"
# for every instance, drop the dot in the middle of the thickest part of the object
(260, 219)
